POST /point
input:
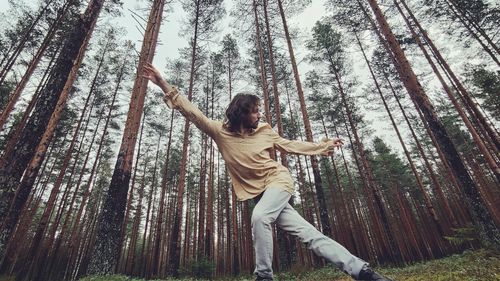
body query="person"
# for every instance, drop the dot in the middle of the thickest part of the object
(246, 145)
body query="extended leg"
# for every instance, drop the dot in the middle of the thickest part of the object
(264, 214)
(291, 221)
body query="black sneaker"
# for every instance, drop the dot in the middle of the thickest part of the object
(368, 274)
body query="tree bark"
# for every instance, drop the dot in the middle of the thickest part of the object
(105, 252)
(29, 179)
(443, 229)
(22, 42)
(325, 220)
(39, 130)
(175, 237)
(155, 270)
(481, 217)
(487, 132)
(277, 106)
(464, 16)
(14, 96)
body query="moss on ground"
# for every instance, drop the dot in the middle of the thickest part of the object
(479, 265)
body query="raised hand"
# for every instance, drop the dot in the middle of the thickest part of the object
(150, 72)
(332, 144)
(337, 142)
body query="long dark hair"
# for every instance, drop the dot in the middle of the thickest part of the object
(238, 110)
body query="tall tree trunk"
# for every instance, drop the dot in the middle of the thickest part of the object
(432, 175)
(134, 236)
(22, 42)
(130, 198)
(209, 235)
(119, 80)
(193, 250)
(462, 15)
(201, 203)
(277, 106)
(221, 242)
(228, 260)
(159, 230)
(152, 191)
(443, 230)
(202, 182)
(29, 178)
(481, 217)
(149, 250)
(42, 122)
(325, 221)
(187, 230)
(282, 237)
(209, 231)
(440, 153)
(487, 131)
(14, 96)
(234, 240)
(263, 76)
(106, 249)
(15, 133)
(175, 237)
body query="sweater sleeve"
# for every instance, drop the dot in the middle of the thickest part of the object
(177, 101)
(301, 147)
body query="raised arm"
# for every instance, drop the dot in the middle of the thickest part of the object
(325, 147)
(177, 101)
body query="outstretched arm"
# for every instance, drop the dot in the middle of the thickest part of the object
(325, 147)
(177, 101)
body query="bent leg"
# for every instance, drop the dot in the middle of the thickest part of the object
(264, 214)
(291, 221)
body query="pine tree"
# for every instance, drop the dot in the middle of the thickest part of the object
(38, 132)
(105, 252)
(482, 218)
(202, 18)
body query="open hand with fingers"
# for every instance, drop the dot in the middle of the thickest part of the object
(332, 144)
(337, 142)
(153, 74)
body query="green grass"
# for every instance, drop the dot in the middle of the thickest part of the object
(479, 265)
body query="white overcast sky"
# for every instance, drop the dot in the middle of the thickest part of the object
(171, 41)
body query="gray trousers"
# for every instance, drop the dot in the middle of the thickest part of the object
(274, 207)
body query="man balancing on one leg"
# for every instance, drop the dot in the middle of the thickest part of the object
(245, 145)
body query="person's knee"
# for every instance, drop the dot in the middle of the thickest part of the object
(310, 235)
(261, 218)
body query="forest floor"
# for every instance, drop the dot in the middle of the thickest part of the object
(478, 265)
